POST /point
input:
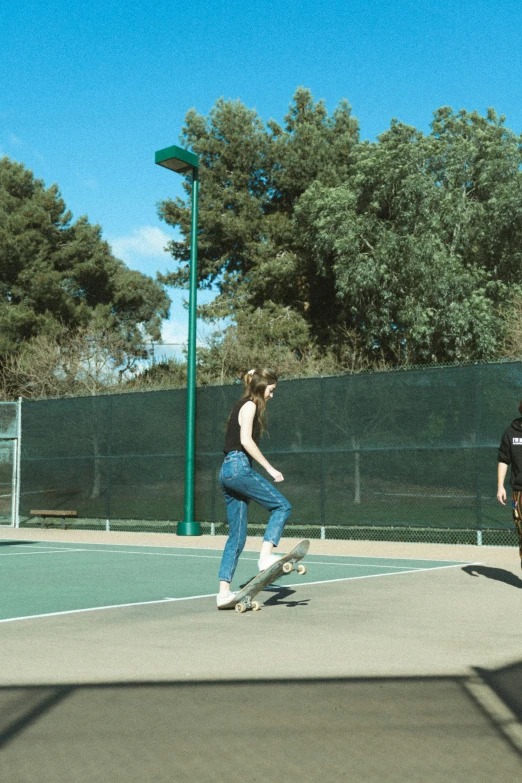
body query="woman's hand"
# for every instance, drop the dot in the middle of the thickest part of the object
(501, 495)
(276, 475)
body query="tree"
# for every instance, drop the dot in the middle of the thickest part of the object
(413, 248)
(58, 276)
(251, 177)
(396, 252)
(272, 336)
(79, 363)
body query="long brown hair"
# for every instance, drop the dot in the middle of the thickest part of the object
(255, 383)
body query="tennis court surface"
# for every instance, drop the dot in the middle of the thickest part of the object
(396, 662)
(52, 578)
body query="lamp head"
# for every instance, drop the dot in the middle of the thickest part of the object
(177, 159)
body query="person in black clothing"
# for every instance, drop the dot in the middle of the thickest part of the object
(510, 453)
(240, 483)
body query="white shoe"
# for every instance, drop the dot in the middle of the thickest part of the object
(225, 601)
(265, 562)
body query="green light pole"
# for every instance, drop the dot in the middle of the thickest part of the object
(185, 162)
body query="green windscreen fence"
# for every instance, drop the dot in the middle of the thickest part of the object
(415, 449)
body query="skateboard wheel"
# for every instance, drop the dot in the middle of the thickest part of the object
(240, 608)
(288, 568)
(301, 569)
(256, 606)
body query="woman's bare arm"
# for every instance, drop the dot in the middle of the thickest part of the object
(246, 423)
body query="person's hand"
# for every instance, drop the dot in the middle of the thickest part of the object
(501, 495)
(276, 475)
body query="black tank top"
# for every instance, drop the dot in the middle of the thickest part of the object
(233, 433)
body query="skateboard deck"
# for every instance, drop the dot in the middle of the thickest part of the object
(243, 599)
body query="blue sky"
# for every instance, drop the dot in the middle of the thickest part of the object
(91, 90)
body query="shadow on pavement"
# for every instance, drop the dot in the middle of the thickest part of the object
(397, 730)
(499, 574)
(279, 594)
(507, 684)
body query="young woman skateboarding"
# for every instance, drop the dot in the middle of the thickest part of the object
(241, 484)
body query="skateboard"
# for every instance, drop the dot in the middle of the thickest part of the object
(243, 599)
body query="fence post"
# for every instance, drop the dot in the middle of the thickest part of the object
(108, 464)
(477, 426)
(215, 468)
(18, 465)
(323, 455)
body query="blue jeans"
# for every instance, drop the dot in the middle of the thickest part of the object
(240, 485)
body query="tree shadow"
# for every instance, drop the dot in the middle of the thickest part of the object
(499, 574)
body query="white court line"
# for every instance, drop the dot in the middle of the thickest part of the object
(251, 559)
(46, 552)
(374, 576)
(40, 548)
(320, 554)
(52, 547)
(211, 595)
(394, 569)
(101, 608)
(218, 557)
(369, 565)
(110, 552)
(102, 548)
